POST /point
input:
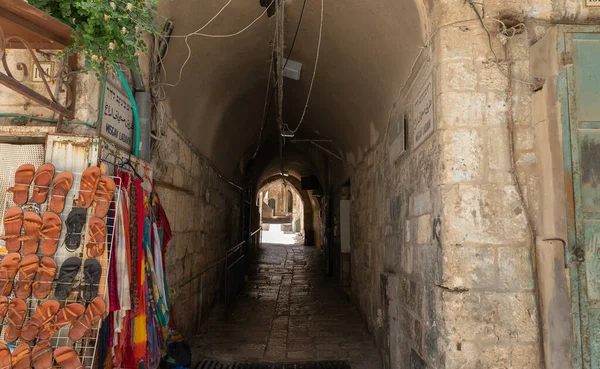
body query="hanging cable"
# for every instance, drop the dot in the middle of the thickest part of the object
(270, 97)
(314, 70)
(197, 33)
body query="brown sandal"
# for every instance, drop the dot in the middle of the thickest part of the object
(96, 237)
(27, 270)
(41, 318)
(21, 357)
(13, 222)
(32, 223)
(50, 233)
(8, 271)
(45, 273)
(17, 310)
(41, 183)
(87, 187)
(3, 310)
(67, 358)
(23, 178)
(65, 316)
(60, 189)
(41, 355)
(104, 195)
(84, 325)
(5, 357)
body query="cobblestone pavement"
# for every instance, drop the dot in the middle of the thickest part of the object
(290, 311)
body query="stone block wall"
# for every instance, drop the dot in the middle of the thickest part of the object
(204, 214)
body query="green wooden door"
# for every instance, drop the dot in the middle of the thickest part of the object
(582, 160)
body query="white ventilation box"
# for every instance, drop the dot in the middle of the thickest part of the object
(292, 69)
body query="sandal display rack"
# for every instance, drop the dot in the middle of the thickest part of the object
(86, 348)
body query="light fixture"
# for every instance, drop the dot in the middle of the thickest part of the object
(286, 133)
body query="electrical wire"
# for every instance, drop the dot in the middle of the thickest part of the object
(268, 110)
(197, 33)
(489, 36)
(314, 70)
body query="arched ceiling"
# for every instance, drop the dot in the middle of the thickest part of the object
(367, 50)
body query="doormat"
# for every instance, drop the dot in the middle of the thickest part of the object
(220, 364)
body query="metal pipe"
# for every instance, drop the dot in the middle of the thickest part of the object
(143, 102)
(327, 151)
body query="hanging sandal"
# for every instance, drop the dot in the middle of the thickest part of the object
(3, 309)
(27, 270)
(65, 316)
(60, 189)
(8, 271)
(13, 222)
(23, 178)
(41, 183)
(104, 195)
(5, 357)
(17, 310)
(43, 315)
(96, 237)
(75, 221)
(68, 271)
(50, 233)
(92, 272)
(67, 358)
(32, 223)
(45, 276)
(21, 357)
(41, 355)
(87, 187)
(84, 325)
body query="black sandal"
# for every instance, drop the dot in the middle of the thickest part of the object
(68, 271)
(75, 221)
(92, 271)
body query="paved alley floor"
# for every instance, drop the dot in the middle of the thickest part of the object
(289, 311)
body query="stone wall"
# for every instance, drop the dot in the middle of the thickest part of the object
(204, 212)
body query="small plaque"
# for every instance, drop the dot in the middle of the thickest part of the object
(423, 113)
(592, 3)
(117, 117)
(48, 68)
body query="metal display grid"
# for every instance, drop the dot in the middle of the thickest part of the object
(87, 346)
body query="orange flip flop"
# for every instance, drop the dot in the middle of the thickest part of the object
(5, 357)
(104, 195)
(8, 270)
(87, 187)
(45, 274)
(67, 358)
(41, 183)
(43, 315)
(96, 237)
(13, 222)
(32, 223)
(27, 270)
(65, 316)
(41, 355)
(23, 178)
(50, 233)
(60, 189)
(21, 357)
(3, 310)
(84, 325)
(17, 310)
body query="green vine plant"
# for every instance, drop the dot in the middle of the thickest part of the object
(105, 32)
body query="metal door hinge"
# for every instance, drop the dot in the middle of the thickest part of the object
(566, 58)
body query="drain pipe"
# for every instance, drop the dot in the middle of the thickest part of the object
(142, 100)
